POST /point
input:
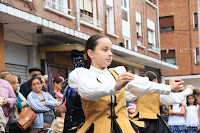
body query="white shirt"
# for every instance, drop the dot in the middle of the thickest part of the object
(176, 119)
(192, 118)
(84, 81)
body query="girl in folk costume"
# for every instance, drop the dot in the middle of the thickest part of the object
(103, 91)
(192, 118)
(147, 107)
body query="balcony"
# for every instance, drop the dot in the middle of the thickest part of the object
(152, 3)
(89, 19)
(59, 8)
(90, 22)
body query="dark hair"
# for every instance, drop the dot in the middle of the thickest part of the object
(195, 101)
(60, 110)
(91, 44)
(151, 75)
(33, 78)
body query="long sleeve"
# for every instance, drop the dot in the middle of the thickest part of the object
(130, 97)
(140, 86)
(34, 100)
(12, 98)
(51, 103)
(175, 98)
(90, 86)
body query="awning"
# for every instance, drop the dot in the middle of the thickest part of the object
(69, 47)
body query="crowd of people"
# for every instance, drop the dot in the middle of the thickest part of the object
(34, 93)
(101, 94)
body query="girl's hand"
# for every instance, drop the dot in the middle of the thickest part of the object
(185, 127)
(198, 128)
(123, 79)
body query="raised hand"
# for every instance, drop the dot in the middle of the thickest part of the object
(123, 79)
(176, 83)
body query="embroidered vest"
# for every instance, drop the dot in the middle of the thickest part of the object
(147, 107)
(98, 113)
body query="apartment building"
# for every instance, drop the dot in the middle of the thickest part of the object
(43, 32)
(179, 39)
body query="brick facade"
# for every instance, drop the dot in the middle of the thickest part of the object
(184, 36)
(2, 50)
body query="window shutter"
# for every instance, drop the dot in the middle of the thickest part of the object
(88, 5)
(195, 18)
(167, 21)
(81, 4)
(150, 36)
(111, 20)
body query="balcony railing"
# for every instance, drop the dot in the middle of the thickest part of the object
(89, 19)
(57, 7)
(152, 1)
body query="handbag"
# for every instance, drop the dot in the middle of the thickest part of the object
(27, 116)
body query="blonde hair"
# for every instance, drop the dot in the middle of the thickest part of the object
(4, 74)
(11, 78)
(45, 79)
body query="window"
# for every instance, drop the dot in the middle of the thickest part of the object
(151, 34)
(195, 20)
(168, 56)
(150, 39)
(127, 43)
(88, 12)
(60, 5)
(86, 7)
(125, 10)
(196, 55)
(110, 18)
(138, 24)
(166, 23)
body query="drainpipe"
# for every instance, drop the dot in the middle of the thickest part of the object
(198, 26)
(158, 27)
(77, 15)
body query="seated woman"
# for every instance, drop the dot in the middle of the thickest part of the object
(13, 80)
(42, 103)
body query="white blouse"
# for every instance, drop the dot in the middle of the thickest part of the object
(192, 118)
(93, 83)
(176, 119)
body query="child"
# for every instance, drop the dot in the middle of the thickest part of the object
(131, 108)
(192, 115)
(58, 123)
(176, 119)
(102, 91)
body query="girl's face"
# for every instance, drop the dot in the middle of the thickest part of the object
(15, 85)
(36, 85)
(101, 57)
(190, 100)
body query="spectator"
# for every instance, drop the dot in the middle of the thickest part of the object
(2, 117)
(9, 98)
(131, 108)
(196, 93)
(58, 123)
(42, 103)
(176, 119)
(139, 40)
(45, 82)
(192, 115)
(13, 80)
(57, 81)
(4, 73)
(25, 88)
